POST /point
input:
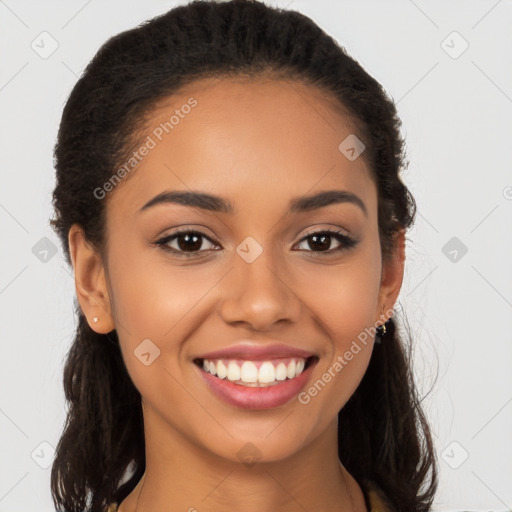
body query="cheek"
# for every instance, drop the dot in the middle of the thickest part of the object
(343, 301)
(151, 296)
(153, 300)
(344, 297)
(153, 307)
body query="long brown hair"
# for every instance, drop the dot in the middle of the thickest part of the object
(384, 436)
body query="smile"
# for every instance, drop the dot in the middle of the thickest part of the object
(256, 384)
(254, 373)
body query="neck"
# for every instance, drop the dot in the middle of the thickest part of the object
(182, 477)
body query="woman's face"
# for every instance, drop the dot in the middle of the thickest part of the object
(258, 275)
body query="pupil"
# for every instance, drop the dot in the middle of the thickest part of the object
(324, 244)
(188, 237)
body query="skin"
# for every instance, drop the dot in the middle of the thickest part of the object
(257, 144)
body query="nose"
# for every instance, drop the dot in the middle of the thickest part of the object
(259, 294)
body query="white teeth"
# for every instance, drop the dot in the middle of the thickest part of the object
(222, 371)
(267, 372)
(281, 371)
(248, 373)
(298, 369)
(290, 371)
(233, 371)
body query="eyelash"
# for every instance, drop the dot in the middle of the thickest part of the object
(347, 241)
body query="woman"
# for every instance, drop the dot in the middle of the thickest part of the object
(228, 194)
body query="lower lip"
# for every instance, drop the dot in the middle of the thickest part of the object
(257, 397)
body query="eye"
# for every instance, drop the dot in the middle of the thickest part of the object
(322, 240)
(186, 242)
(189, 243)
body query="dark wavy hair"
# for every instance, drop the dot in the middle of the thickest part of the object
(384, 436)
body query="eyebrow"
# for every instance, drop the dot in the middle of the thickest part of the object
(218, 204)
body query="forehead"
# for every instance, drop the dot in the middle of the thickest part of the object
(241, 139)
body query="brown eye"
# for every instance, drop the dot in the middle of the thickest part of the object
(320, 241)
(185, 242)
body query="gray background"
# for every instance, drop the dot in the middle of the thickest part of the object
(456, 109)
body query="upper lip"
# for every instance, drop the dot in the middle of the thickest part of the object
(252, 351)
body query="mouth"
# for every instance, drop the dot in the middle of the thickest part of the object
(261, 384)
(256, 373)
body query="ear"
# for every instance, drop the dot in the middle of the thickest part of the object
(391, 278)
(90, 282)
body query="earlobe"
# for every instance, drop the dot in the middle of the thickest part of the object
(392, 277)
(90, 283)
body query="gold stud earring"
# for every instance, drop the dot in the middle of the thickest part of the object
(381, 329)
(384, 324)
(95, 319)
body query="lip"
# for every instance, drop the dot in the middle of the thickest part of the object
(257, 398)
(254, 351)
